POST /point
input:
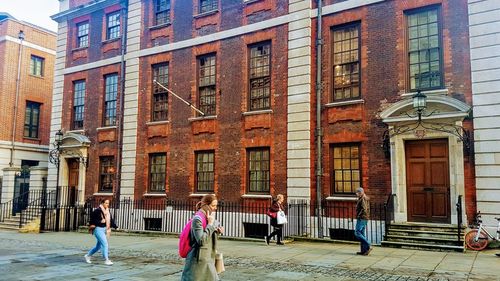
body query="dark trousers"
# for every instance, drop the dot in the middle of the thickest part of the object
(278, 230)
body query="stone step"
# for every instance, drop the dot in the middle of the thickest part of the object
(423, 233)
(426, 240)
(426, 227)
(10, 223)
(423, 246)
(8, 227)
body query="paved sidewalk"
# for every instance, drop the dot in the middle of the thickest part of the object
(59, 256)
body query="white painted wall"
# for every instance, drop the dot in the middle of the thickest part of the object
(484, 28)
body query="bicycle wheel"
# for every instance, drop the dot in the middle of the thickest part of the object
(473, 244)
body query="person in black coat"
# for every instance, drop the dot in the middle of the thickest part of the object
(276, 206)
(102, 222)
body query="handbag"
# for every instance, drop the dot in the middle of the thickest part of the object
(219, 263)
(91, 228)
(281, 217)
(271, 214)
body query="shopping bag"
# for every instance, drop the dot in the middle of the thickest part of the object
(281, 217)
(219, 263)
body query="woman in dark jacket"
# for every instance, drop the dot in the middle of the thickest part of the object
(102, 220)
(276, 206)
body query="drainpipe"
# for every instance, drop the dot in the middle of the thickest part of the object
(319, 131)
(122, 101)
(20, 36)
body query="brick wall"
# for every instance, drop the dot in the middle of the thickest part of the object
(383, 80)
(103, 139)
(32, 88)
(230, 134)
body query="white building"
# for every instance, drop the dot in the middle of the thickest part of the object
(484, 26)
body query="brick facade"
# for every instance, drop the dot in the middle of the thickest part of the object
(38, 42)
(233, 130)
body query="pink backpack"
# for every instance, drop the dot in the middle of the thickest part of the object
(185, 237)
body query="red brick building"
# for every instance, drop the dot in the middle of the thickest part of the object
(250, 67)
(26, 69)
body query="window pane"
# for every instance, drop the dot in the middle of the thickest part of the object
(205, 171)
(107, 173)
(113, 26)
(424, 50)
(78, 104)
(259, 74)
(208, 5)
(346, 169)
(157, 172)
(259, 172)
(346, 63)
(207, 85)
(31, 119)
(111, 90)
(160, 95)
(82, 36)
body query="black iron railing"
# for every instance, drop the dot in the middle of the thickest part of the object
(18, 204)
(388, 212)
(245, 219)
(459, 220)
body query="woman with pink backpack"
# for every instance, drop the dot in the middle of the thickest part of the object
(200, 261)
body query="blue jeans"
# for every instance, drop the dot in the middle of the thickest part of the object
(360, 234)
(102, 242)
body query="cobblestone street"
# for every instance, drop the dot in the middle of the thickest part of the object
(59, 256)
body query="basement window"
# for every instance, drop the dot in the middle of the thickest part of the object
(152, 224)
(255, 230)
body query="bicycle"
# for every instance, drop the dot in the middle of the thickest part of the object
(478, 238)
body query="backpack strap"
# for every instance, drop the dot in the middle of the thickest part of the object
(201, 215)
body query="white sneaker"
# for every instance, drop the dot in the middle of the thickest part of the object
(87, 259)
(108, 262)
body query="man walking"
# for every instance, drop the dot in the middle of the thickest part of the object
(362, 216)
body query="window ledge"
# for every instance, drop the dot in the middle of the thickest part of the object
(111, 40)
(31, 139)
(37, 76)
(250, 1)
(79, 49)
(265, 111)
(257, 196)
(158, 26)
(342, 103)
(152, 123)
(154, 195)
(341, 198)
(106, 128)
(198, 194)
(76, 131)
(206, 14)
(201, 118)
(103, 194)
(428, 92)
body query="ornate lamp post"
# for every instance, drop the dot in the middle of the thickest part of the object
(54, 158)
(419, 104)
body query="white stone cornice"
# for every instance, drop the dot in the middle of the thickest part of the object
(27, 44)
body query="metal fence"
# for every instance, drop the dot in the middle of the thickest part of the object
(245, 219)
(60, 209)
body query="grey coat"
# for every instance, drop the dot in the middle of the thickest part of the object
(200, 262)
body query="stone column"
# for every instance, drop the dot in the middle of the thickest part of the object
(36, 181)
(299, 102)
(9, 179)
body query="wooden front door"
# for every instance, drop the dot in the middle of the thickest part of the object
(428, 181)
(74, 173)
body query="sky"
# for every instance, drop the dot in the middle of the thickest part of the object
(37, 12)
